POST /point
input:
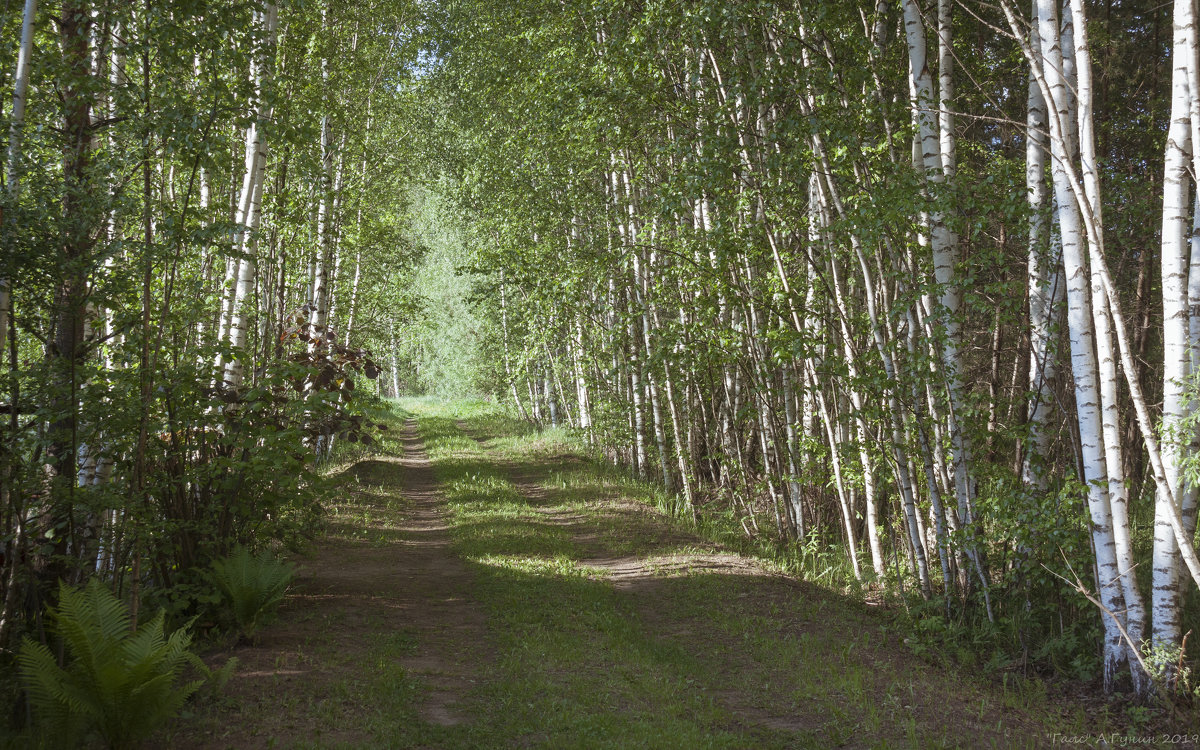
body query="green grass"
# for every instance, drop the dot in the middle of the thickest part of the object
(574, 665)
(726, 660)
(690, 647)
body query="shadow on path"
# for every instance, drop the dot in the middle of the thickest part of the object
(378, 627)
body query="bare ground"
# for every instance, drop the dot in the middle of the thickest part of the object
(399, 581)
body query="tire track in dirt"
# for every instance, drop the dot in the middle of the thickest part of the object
(382, 598)
(451, 626)
(658, 560)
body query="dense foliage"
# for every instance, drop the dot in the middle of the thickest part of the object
(780, 257)
(901, 284)
(120, 684)
(202, 251)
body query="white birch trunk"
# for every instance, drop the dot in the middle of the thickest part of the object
(358, 236)
(244, 288)
(660, 434)
(795, 495)
(947, 139)
(581, 384)
(1081, 330)
(824, 193)
(335, 237)
(1169, 503)
(508, 370)
(12, 160)
(1177, 343)
(241, 306)
(1188, 501)
(839, 481)
(1045, 285)
(353, 295)
(323, 260)
(1125, 597)
(395, 368)
(931, 133)
(241, 216)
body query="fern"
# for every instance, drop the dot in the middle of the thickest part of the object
(253, 586)
(121, 684)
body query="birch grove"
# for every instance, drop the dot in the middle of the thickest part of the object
(161, 398)
(916, 355)
(904, 294)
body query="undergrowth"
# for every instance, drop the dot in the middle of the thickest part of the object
(118, 683)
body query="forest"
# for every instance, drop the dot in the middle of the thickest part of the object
(901, 296)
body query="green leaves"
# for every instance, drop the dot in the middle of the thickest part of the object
(122, 685)
(252, 585)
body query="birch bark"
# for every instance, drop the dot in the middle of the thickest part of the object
(1081, 326)
(12, 162)
(935, 144)
(241, 306)
(1044, 283)
(1177, 344)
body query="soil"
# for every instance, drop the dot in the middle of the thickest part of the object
(405, 582)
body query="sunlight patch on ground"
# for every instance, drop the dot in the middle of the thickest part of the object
(538, 565)
(669, 566)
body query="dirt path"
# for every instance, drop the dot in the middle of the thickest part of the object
(381, 611)
(433, 589)
(533, 600)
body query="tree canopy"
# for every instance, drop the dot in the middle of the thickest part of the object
(916, 282)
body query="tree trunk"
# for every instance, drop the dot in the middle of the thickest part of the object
(12, 161)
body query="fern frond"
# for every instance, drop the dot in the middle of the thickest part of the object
(121, 684)
(60, 712)
(143, 646)
(91, 622)
(253, 586)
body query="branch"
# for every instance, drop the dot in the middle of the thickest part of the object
(1078, 586)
